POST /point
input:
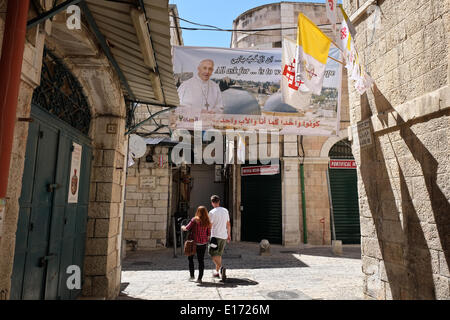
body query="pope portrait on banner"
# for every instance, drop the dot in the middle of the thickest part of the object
(200, 94)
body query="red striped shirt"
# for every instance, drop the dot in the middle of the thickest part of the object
(201, 234)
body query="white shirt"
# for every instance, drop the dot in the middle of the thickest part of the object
(219, 217)
(196, 94)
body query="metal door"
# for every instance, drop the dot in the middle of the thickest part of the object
(51, 233)
(344, 196)
(261, 215)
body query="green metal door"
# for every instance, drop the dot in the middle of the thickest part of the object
(51, 233)
(344, 195)
(261, 214)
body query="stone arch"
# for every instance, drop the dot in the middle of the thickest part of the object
(102, 88)
(331, 141)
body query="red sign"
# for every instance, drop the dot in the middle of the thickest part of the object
(342, 164)
(260, 170)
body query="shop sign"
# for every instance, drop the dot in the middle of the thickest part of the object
(260, 170)
(342, 164)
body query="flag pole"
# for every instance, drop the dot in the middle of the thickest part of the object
(337, 60)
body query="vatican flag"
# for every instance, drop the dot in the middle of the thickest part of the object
(311, 54)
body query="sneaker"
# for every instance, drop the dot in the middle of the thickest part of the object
(223, 273)
(216, 274)
(191, 279)
(199, 281)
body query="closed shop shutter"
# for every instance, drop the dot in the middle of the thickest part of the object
(261, 215)
(344, 193)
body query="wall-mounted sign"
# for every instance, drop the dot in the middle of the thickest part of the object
(147, 182)
(74, 178)
(364, 133)
(342, 164)
(260, 170)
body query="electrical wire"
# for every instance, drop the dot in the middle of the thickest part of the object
(214, 28)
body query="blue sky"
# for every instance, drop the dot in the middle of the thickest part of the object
(219, 13)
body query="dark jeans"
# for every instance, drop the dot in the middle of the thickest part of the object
(201, 249)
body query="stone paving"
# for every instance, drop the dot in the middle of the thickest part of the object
(308, 273)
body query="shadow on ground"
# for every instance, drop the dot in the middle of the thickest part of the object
(228, 283)
(237, 256)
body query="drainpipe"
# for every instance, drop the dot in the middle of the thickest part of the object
(302, 183)
(11, 69)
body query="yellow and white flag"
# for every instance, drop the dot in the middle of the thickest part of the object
(312, 54)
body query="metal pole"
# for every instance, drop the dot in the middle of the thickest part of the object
(302, 182)
(11, 68)
(181, 242)
(174, 221)
(331, 206)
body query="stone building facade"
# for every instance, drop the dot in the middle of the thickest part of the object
(316, 148)
(403, 168)
(79, 54)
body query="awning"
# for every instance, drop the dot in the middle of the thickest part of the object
(139, 41)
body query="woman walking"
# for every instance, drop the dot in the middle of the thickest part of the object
(200, 226)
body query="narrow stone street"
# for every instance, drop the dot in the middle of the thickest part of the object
(310, 273)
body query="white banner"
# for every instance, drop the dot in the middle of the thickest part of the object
(74, 178)
(241, 89)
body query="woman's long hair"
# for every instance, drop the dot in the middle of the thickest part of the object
(202, 217)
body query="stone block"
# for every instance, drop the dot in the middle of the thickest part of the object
(108, 192)
(157, 218)
(133, 196)
(102, 227)
(142, 234)
(264, 248)
(131, 210)
(158, 234)
(132, 225)
(336, 246)
(103, 210)
(147, 211)
(131, 203)
(149, 226)
(141, 218)
(96, 246)
(145, 203)
(95, 265)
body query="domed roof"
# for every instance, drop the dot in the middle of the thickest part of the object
(239, 101)
(275, 104)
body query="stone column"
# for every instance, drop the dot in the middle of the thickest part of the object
(317, 201)
(102, 256)
(291, 192)
(290, 180)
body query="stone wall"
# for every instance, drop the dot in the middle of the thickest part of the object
(404, 173)
(147, 202)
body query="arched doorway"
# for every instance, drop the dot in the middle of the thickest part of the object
(344, 193)
(51, 231)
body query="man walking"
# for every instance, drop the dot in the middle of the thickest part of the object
(221, 231)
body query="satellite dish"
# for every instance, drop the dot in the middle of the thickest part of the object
(137, 146)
